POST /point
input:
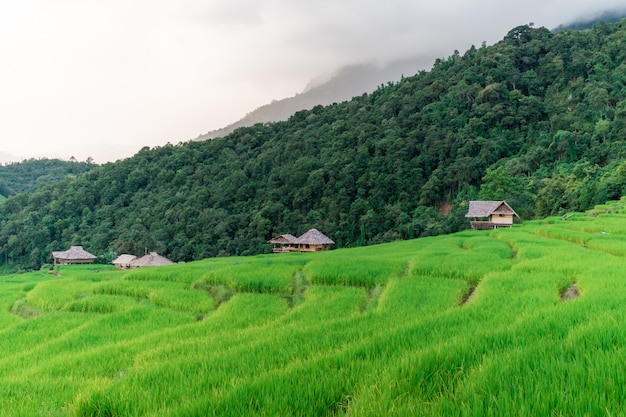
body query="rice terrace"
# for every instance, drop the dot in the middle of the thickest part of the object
(475, 323)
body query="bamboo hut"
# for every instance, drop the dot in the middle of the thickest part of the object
(490, 214)
(74, 255)
(282, 243)
(151, 259)
(124, 261)
(313, 241)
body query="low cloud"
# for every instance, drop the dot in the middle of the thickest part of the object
(144, 73)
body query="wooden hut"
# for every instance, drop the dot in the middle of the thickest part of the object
(74, 255)
(312, 241)
(151, 259)
(282, 243)
(490, 214)
(124, 261)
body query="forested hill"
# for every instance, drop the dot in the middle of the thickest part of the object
(537, 119)
(30, 174)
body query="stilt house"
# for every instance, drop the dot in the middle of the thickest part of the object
(283, 243)
(490, 214)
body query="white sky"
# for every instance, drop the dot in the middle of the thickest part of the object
(104, 78)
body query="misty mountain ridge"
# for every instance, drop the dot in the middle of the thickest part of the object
(357, 79)
(347, 82)
(607, 16)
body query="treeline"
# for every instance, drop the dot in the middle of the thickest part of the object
(537, 119)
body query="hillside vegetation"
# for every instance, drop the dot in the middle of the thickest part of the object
(30, 174)
(473, 323)
(537, 119)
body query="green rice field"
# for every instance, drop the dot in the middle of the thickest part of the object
(522, 321)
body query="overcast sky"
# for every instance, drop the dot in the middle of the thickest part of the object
(104, 78)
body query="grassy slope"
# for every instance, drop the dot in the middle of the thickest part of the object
(372, 331)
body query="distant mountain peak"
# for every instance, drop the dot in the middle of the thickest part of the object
(345, 83)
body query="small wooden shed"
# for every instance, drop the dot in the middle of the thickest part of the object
(74, 255)
(490, 214)
(282, 243)
(124, 261)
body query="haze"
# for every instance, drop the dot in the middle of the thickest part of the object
(104, 79)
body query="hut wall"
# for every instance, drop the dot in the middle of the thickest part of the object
(73, 261)
(311, 248)
(502, 219)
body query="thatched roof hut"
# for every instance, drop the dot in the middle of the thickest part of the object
(151, 259)
(74, 255)
(313, 241)
(124, 261)
(314, 237)
(493, 214)
(283, 239)
(282, 243)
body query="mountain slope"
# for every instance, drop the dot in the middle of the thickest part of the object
(354, 80)
(536, 119)
(346, 83)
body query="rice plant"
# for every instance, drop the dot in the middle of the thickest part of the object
(467, 324)
(343, 268)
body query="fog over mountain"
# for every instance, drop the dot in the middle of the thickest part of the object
(104, 79)
(356, 79)
(347, 82)
(586, 22)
